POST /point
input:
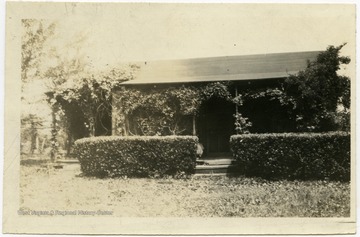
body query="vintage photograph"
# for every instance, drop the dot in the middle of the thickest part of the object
(202, 113)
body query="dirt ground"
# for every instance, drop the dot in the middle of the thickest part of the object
(66, 190)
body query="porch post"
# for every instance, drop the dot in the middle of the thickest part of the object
(236, 94)
(126, 125)
(194, 125)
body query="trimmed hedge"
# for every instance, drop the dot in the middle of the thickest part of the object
(138, 156)
(306, 156)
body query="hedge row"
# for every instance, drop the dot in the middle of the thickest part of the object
(137, 156)
(293, 156)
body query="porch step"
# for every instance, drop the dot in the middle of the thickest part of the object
(222, 166)
(68, 161)
(223, 161)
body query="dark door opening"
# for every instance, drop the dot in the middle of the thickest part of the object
(215, 126)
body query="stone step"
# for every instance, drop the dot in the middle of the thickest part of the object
(227, 161)
(68, 161)
(215, 169)
(212, 174)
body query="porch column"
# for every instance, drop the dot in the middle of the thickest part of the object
(126, 125)
(236, 94)
(194, 125)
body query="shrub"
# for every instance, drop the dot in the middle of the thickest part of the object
(138, 156)
(305, 156)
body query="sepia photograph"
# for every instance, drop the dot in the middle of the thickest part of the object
(179, 118)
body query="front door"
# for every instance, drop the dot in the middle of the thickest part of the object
(216, 125)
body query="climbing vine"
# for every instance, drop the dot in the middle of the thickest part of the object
(242, 124)
(163, 111)
(90, 96)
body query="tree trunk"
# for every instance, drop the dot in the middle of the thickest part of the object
(37, 144)
(33, 135)
(42, 145)
(53, 136)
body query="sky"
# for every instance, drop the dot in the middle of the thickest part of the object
(131, 32)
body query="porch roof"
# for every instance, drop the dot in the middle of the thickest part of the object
(228, 68)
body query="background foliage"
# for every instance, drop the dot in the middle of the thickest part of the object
(318, 93)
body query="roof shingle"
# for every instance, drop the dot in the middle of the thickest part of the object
(228, 68)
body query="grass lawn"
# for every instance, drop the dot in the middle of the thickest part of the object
(65, 189)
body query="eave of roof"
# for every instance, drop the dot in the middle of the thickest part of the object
(229, 68)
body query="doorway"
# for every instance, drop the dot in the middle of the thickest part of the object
(216, 125)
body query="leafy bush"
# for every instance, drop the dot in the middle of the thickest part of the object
(137, 156)
(305, 156)
(318, 91)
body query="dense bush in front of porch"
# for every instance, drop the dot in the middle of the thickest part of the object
(137, 156)
(305, 156)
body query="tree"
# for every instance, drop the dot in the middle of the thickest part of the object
(318, 92)
(90, 95)
(35, 34)
(30, 125)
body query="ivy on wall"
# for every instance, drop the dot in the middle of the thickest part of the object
(162, 111)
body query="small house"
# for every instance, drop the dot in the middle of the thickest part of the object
(213, 121)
